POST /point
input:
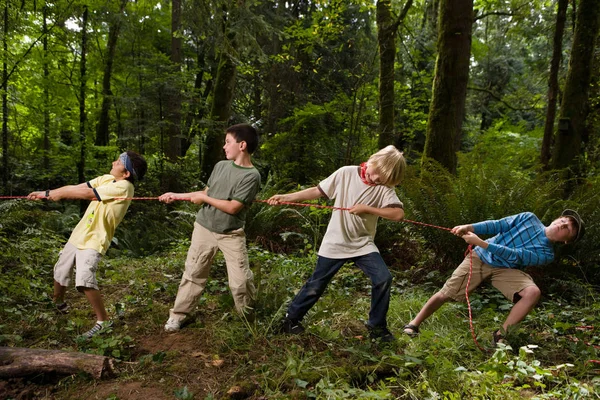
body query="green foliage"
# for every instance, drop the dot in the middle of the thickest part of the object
(300, 153)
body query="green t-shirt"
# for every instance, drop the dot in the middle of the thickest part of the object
(229, 181)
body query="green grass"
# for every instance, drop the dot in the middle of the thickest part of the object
(219, 352)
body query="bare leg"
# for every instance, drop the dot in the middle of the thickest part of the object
(59, 293)
(95, 299)
(432, 305)
(529, 298)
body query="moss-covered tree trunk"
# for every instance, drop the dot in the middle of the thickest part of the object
(220, 112)
(387, 29)
(447, 108)
(561, 18)
(574, 106)
(386, 40)
(4, 89)
(102, 129)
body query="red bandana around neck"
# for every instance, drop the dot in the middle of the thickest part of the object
(363, 170)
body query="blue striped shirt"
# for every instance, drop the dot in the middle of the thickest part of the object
(520, 241)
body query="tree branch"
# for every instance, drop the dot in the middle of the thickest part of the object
(495, 96)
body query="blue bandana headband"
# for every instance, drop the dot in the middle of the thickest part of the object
(124, 158)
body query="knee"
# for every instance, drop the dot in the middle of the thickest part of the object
(441, 297)
(531, 293)
(384, 280)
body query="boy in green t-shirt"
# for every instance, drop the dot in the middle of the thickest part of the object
(219, 225)
(92, 236)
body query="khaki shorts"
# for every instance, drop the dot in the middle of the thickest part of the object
(85, 262)
(509, 281)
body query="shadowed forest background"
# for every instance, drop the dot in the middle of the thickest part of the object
(495, 103)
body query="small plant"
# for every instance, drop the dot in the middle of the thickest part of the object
(183, 394)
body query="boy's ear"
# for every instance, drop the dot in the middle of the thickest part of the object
(243, 145)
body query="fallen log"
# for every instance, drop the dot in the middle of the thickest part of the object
(19, 361)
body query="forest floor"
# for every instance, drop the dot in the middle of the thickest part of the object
(219, 355)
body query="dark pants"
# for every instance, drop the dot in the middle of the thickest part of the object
(371, 264)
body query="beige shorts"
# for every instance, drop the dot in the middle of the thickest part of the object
(85, 262)
(509, 281)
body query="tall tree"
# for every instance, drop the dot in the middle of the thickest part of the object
(5, 173)
(574, 106)
(447, 108)
(561, 18)
(222, 97)
(82, 94)
(102, 129)
(173, 98)
(220, 112)
(387, 30)
(46, 84)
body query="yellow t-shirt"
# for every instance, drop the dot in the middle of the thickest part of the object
(97, 227)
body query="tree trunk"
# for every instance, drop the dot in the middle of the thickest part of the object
(386, 40)
(82, 93)
(17, 362)
(46, 111)
(220, 112)
(574, 107)
(173, 105)
(387, 30)
(102, 129)
(561, 17)
(5, 173)
(450, 82)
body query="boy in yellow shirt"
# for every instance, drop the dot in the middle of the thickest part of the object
(93, 234)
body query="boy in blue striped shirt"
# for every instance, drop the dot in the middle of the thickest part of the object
(520, 240)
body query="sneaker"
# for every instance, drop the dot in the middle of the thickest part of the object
(291, 326)
(172, 325)
(97, 329)
(62, 308)
(380, 333)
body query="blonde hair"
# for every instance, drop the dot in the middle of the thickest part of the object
(390, 164)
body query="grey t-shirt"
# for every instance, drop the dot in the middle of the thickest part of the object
(350, 235)
(229, 181)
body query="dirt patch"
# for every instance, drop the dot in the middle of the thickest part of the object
(127, 390)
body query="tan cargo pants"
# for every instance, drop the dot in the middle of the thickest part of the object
(199, 260)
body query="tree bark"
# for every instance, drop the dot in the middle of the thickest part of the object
(574, 106)
(5, 173)
(450, 82)
(387, 30)
(82, 94)
(46, 111)
(102, 129)
(561, 18)
(17, 362)
(173, 105)
(220, 112)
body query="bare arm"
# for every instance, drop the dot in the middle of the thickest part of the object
(312, 193)
(391, 213)
(227, 206)
(73, 192)
(194, 197)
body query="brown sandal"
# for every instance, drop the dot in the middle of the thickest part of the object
(411, 330)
